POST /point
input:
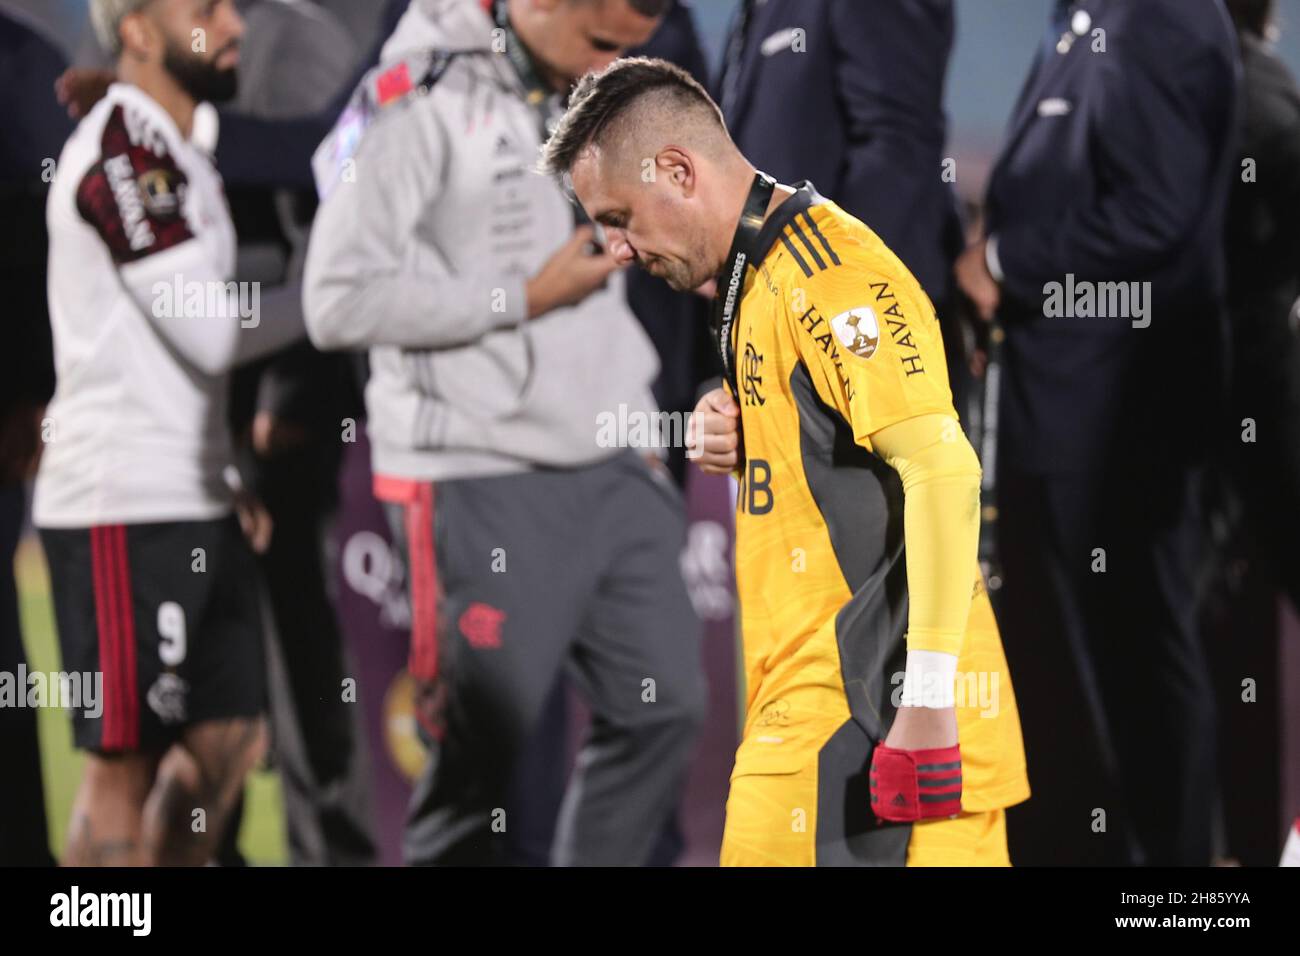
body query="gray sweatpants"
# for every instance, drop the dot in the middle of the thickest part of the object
(533, 573)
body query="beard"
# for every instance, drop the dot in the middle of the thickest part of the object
(684, 275)
(678, 275)
(201, 79)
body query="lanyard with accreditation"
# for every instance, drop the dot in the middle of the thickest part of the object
(731, 283)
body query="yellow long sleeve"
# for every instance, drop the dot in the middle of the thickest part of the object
(941, 520)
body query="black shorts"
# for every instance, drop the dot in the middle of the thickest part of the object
(170, 615)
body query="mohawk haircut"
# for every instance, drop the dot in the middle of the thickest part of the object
(600, 100)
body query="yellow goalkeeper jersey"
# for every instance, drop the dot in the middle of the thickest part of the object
(835, 340)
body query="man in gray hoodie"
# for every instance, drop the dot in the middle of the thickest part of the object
(501, 349)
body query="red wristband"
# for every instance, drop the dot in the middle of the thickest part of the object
(909, 785)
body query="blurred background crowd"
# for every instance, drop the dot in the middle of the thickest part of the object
(1171, 682)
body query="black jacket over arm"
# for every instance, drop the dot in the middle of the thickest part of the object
(854, 103)
(1116, 168)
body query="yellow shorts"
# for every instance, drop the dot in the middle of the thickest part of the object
(799, 789)
(969, 839)
(772, 820)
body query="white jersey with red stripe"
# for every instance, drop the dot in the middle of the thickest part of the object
(146, 322)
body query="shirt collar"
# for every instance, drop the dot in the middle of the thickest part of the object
(204, 129)
(804, 198)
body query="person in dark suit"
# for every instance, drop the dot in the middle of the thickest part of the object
(34, 131)
(1258, 505)
(1263, 286)
(849, 95)
(1104, 265)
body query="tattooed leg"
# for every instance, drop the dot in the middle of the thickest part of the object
(107, 812)
(197, 785)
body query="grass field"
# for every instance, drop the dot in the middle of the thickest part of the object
(262, 836)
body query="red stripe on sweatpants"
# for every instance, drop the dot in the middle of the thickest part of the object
(126, 615)
(106, 626)
(423, 663)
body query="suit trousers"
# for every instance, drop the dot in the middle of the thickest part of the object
(1103, 574)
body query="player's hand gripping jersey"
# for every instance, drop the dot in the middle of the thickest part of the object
(835, 341)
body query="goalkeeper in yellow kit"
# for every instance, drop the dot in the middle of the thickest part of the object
(880, 727)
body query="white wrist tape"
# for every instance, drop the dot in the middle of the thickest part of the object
(929, 680)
